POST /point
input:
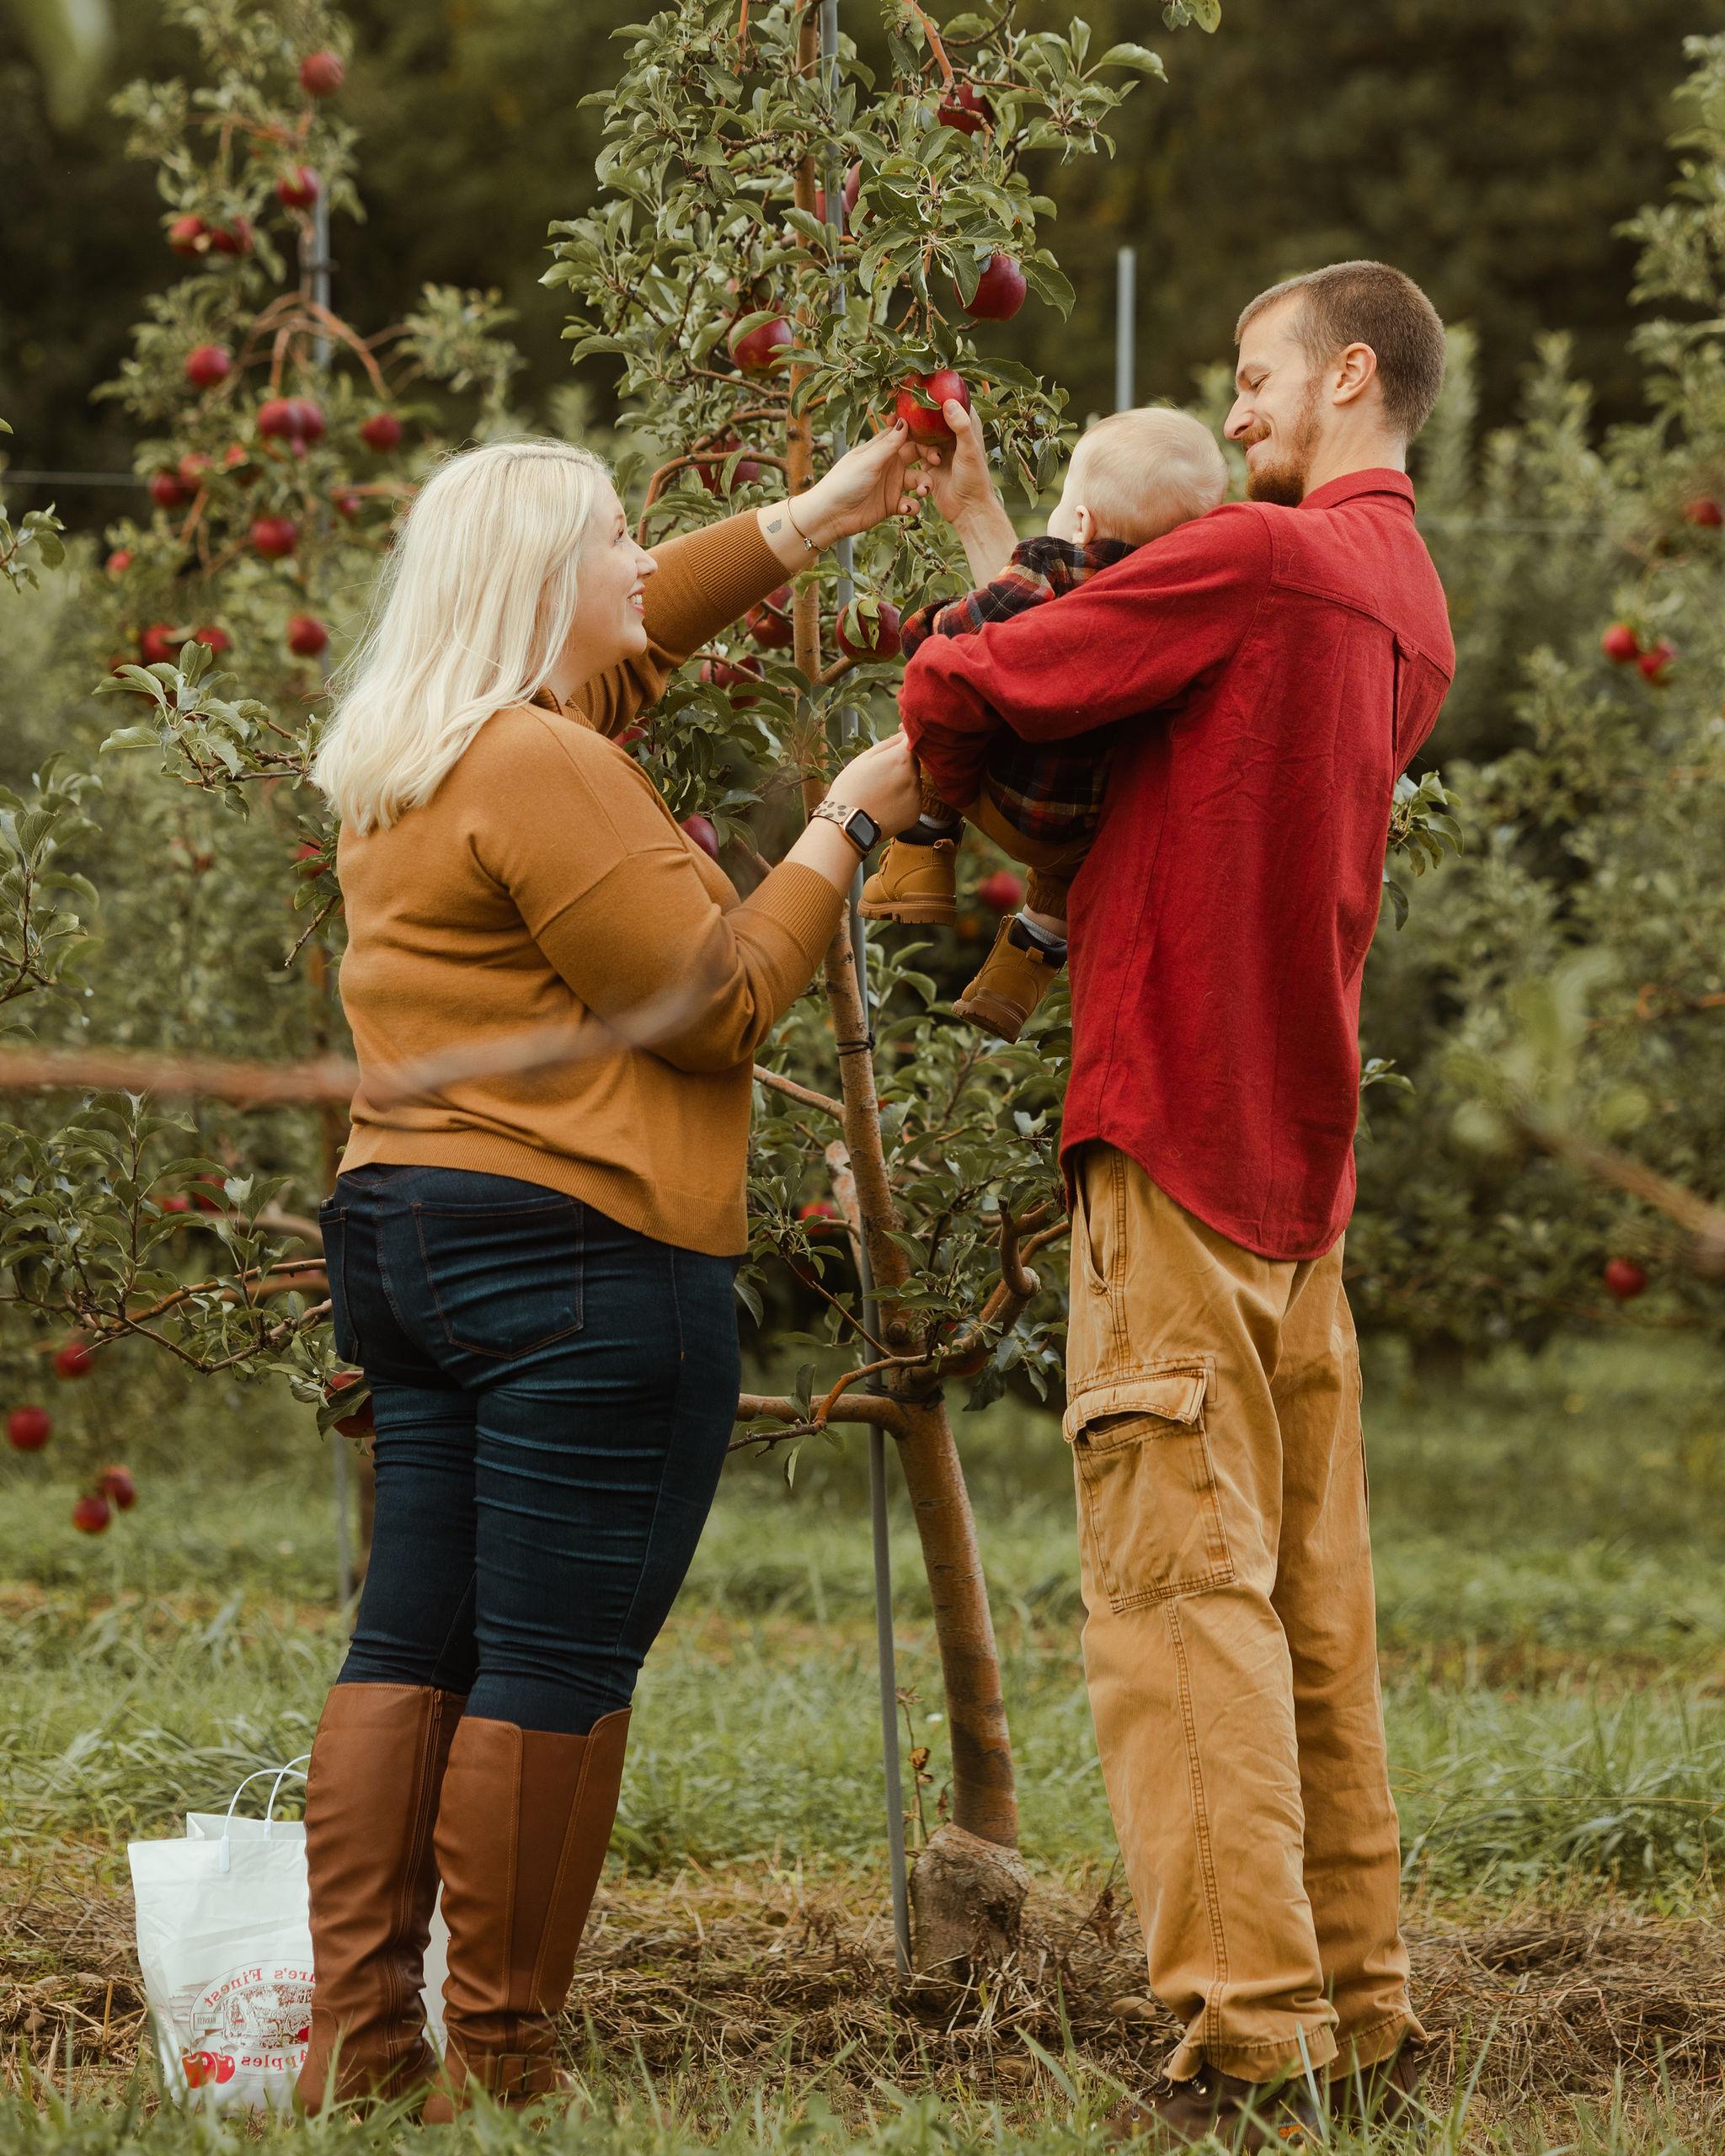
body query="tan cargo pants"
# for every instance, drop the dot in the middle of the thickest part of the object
(1229, 1636)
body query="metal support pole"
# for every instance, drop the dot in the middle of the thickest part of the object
(886, 1653)
(1125, 328)
(315, 266)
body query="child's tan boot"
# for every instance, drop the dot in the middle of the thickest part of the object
(915, 883)
(1016, 975)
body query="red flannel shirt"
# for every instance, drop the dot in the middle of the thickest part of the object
(1221, 924)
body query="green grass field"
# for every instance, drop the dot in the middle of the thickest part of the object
(1553, 1622)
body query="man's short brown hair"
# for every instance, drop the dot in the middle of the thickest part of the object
(1369, 303)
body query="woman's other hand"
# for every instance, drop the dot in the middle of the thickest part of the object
(884, 781)
(962, 490)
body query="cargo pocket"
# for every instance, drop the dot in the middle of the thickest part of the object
(1152, 1512)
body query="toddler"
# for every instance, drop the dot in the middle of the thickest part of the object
(1133, 477)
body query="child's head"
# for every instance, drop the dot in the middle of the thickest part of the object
(1138, 474)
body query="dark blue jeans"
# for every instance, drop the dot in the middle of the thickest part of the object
(554, 1395)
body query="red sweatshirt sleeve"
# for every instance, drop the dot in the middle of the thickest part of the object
(1127, 639)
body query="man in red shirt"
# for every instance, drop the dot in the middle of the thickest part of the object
(1277, 664)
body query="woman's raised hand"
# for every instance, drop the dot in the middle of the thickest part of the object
(883, 781)
(867, 483)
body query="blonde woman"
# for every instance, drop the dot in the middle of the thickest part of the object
(535, 1271)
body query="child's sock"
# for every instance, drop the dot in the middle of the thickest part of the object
(1031, 935)
(928, 830)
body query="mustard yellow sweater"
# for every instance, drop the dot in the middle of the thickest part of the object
(546, 882)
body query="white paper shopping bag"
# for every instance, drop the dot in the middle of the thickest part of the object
(225, 1946)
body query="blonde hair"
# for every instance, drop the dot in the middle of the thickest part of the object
(470, 613)
(1141, 472)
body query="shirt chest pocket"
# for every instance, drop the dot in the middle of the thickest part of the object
(1151, 1511)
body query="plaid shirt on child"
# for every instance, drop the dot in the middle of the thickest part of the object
(1047, 790)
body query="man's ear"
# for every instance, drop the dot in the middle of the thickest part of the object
(1356, 372)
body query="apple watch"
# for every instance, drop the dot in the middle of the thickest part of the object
(858, 826)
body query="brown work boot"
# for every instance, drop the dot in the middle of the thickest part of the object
(1247, 2117)
(915, 883)
(1016, 975)
(377, 1763)
(1385, 2094)
(521, 1834)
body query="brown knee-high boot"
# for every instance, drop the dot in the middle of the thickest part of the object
(522, 1826)
(377, 1762)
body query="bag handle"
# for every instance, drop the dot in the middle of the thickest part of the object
(281, 1774)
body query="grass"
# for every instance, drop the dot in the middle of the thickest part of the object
(1549, 1541)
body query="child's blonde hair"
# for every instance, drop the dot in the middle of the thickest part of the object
(1141, 472)
(470, 613)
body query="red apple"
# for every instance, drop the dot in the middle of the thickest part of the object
(360, 1420)
(92, 1513)
(274, 537)
(158, 645)
(215, 639)
(1620, 644)
(73, 1359)
(206, 365)
(119, 561)
(306, 636)
(999, 290)
(381, 432)
(177, 1204)
(1655, 664)
(189, 236)
(700, 829)
(307, 419)
(236, 463)
(818, 1208)
(275, 418)
(1704, 510)
(321, 74)
(770, 623)
(232, 239)
(869, 629)
(1624, 1278)
(922, 414)
(759, 349)
(732, 674)
(710, 463)
(192, 469)
(630, 735)
(348, 505)
(298, 189)
(852, 188)
(224, 2067)
(28, 1429)
(198, 2066)
(166, 491)
(965, 108)
(116, 1485)
(1001, 893)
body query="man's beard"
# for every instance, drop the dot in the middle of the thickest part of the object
(1286, 480)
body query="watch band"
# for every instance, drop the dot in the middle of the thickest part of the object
(858, 826)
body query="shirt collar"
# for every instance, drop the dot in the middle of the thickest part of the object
(1379, 480)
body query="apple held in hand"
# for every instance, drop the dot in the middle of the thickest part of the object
(868, 628)
(362, 1419)
(920, 399)
(28, 1429)
(999, 291)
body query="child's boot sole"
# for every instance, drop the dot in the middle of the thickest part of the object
(922, 913)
